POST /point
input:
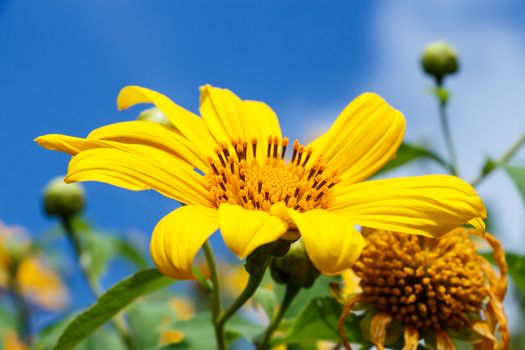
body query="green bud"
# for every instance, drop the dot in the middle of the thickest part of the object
(295, 268)
(154, 115)
(439, 59)
(61, 199)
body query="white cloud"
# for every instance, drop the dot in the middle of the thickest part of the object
(488, 106)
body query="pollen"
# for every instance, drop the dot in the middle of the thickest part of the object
(256, 176)
(421, 282)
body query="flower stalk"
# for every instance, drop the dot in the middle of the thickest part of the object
(290, 294)
(23, 310)
(507, 156)
(93, 284)
(256, 276)
(215, 295)
(445, 127)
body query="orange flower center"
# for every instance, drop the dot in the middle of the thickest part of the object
(241, 175)
(422, 282)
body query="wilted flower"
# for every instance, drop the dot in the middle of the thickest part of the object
(231, 169)
(435, 288)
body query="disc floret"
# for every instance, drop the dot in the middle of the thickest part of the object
(258, 178)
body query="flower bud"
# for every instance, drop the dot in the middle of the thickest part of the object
(439, 59)
(154, 115)
(61, 199)
(295, 268)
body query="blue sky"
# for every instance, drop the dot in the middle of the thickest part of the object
(62, 64)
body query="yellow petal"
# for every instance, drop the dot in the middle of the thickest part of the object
(40, 284)
(227, 116)
(153, 135)
(331, 241)
(178, 237)
(378, 329)
(362, 139)
(137, 167)
(489, 341)
(67, 144)
(428, 205)
(189, 124)
(244, 230)
(411, 338)
(443, 341)
(11, 341)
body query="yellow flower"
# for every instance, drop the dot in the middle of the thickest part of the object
(40, 284)
(435, 288)
(11, 341)
(235, 172)
(33, 276)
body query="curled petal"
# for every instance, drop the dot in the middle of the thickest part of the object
(362, 139)
(443, 341)
(350, 302)
(178, 237)
(153, 135)
(429, 205)
(189, 124)
(331, 241)
(228, 117)
(137, 167)
(244, 230)
(489, 341)
(411, 338)
(378, 329)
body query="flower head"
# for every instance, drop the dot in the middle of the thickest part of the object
(236, 172)
(438, 287)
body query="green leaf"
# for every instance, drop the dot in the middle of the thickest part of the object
(305, 296)
(199, 333)
(144, 322)
(267, 299)
(103, 339)
(318, 321)
(407, 153)
(516, 266)
(97, 250)
(130, 252)
(7, 322)
(517, 174)
(100, 248)
(109, 304)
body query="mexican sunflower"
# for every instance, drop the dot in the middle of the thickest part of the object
(234, 171)
(435, 290)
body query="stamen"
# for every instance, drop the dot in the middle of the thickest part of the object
(309, 152)
(257, 186)
(301, 151)
(295, 148)
(275, 146)
(254, 147)
(285, 144)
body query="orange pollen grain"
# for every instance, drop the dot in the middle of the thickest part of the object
(256, 175)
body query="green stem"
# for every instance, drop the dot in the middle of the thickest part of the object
(445, 127)
(215, 299)
(118, 322)
(254, 281)
(24, 325)
(290, 294)
(503, 160)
